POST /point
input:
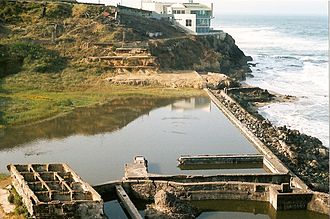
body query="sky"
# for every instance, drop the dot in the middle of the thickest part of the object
(257, 7)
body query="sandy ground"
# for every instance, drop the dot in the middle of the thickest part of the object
(5, 206)
(175, 79)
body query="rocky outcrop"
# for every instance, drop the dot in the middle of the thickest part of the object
(214, 53)
(219, 81)
(304, 155)
(168, 206)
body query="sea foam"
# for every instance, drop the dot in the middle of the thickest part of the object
(289, 63)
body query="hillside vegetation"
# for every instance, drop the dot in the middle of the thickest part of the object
(43, 48)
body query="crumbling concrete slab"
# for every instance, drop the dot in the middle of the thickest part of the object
(139, 168)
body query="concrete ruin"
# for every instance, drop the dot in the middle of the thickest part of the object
(55, 190)
(277, 189)
(226, 161)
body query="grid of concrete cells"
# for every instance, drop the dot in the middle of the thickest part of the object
(55, 189)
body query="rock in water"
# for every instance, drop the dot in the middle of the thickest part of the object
(168, 206)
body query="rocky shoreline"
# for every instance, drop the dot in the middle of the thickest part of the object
(304, 155)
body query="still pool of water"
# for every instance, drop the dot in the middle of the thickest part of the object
(98, 148)
(97, 142)
(225, 209)
(248, 210)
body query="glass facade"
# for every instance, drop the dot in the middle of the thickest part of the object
(203, 20)
(202, 29)
(202, 13)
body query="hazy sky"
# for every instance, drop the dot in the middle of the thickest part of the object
(291, 7)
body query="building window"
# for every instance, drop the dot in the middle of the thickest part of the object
(188, 23)
(179, 11)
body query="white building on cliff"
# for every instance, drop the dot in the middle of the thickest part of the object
(193, 17)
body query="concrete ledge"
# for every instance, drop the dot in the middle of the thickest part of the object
(107, 190)
(221, 159)
(289, 201)
(260, 177)
(276, 164)
(127, 203)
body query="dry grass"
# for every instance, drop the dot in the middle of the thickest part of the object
(4, 180)
(36, 91)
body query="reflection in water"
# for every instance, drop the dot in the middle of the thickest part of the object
(84, 121)
(97, 142)
(113, 210)
(249, 209)
(192, 103)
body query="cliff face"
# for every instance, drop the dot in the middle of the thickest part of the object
(216, 53)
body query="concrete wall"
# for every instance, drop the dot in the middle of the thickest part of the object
(180, 19)
(153, 6)
(264, 192)
(222, 159)
(260, 178)
(146, 189)
(281, 200)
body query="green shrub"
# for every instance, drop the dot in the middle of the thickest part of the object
(21, 210)
(32, 56)
(15, 199)
(9, 11)
(3, 175)
(11, 198)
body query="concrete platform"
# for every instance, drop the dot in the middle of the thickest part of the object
(221, 159)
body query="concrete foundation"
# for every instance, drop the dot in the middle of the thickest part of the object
(273, 188)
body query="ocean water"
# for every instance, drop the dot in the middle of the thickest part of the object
(291, 53)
